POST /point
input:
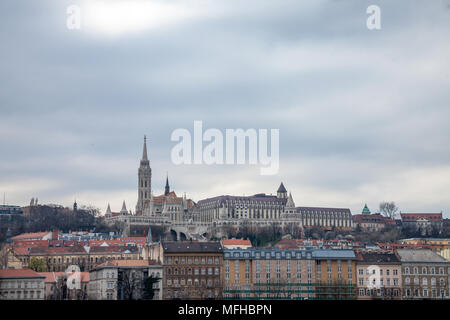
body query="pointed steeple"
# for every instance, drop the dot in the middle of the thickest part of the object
(144, 151)
(108, 210)
(290, 202)
(167, 188)
(124, 210)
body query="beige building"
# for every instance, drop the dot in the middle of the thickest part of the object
(289, 274)
(21, 284)
(425, 274)
(58, 259)
(124, 280)
(378, 276)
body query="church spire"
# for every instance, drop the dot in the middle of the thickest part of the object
(167, 189)
(144, 180)
(144, 151)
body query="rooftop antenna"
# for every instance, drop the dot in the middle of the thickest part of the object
(4, 198)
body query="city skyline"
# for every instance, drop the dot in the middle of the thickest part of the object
(362, 114)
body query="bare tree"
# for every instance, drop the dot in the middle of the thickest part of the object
(130, 284)
(60, 292)
(388, 209)
(4, 253)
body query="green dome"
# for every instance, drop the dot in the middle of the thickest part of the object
(366, 210)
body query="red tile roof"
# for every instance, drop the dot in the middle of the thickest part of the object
(19, 273)
(125, 263)
(57, 250)
(410, 217)
(236, 242)
(34, 235)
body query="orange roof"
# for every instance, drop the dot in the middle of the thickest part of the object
(236, 242)
(125, 263)
(19, 273)
(33, 235)
(21, 251)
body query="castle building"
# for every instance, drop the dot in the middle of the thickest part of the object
(214, 215)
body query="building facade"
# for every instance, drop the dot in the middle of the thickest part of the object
(289, 274)
(192, 270)
(425, 274)
(378, 276)
(124, 280)
(426, 223)
(21, 284)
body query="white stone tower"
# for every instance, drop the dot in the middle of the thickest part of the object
(144, 180)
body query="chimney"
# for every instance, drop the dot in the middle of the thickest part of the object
(55, 234)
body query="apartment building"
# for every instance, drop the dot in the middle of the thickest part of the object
(378, 276)
(192, 270)
(21, 284)
(289, 274)
(124, 280)
(425, 274)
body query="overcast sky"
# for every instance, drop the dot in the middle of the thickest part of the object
(363, 115)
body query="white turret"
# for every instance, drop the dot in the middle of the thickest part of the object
(124, 210)
(290, 202)
(108, 211)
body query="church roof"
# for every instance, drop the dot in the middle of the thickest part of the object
(282, 188)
